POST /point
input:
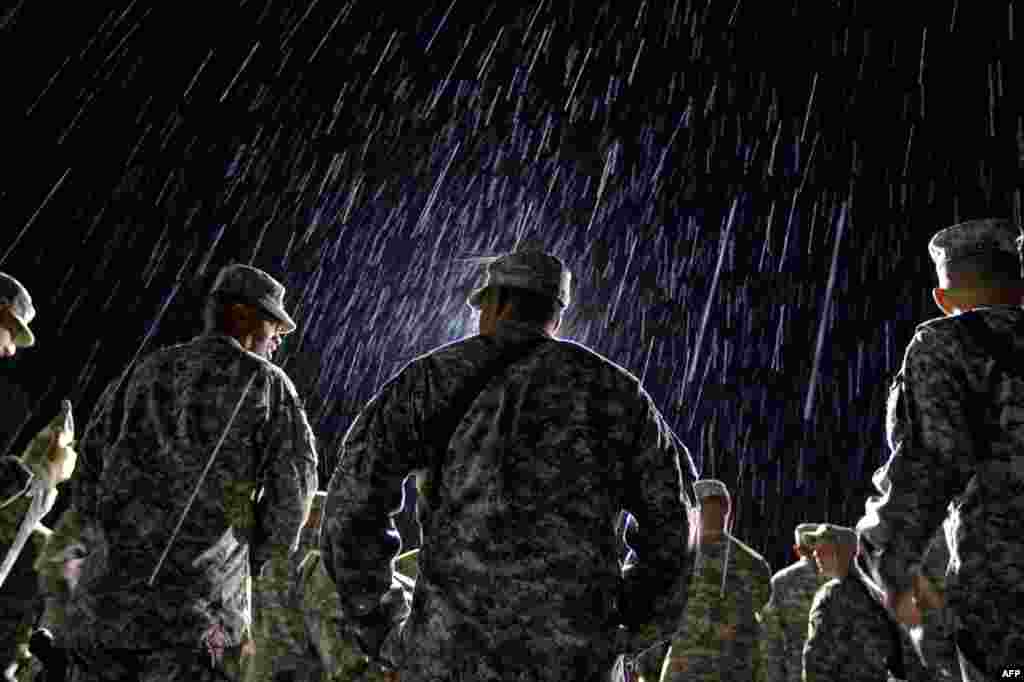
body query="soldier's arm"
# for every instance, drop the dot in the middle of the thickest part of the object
(931, 462)
(287, 480)
(99, 433)
(659, 478)
(359, 540)
(824, 656)
(771, 641)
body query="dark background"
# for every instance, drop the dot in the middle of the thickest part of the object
(705, 168)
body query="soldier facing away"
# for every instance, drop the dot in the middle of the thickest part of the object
(954, 430)
(161, 591)
(519, 576)
(784, 619)
(718, 638)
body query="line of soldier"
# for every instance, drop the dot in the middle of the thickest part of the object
(183, 555)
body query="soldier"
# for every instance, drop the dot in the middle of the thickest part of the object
(16, 312)
(850, 635)
(719, 633)
(48, 459)
(954, 435)
(524, 478)
(785, 618)
(162, 591)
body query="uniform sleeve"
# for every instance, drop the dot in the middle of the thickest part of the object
(762, 600)
(14, 478)
(772, 644)
(931, 462)
(288, 479)
(824, 656)
(359, 538)
(659, 478)
(96, 438)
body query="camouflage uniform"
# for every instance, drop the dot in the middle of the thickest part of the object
(934, 640)
(518, 573)
(134, 486)
(848, 637)
(19, 600)
(719, 634)
(784, 619)
(953, 427)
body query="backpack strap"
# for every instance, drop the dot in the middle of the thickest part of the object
(446, 423)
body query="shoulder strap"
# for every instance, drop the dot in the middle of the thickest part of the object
(448, 421)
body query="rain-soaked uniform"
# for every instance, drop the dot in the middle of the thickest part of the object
(956, 430)
(15, 607)
(935, 639)
(718, 638)
(848, 636)
(136, 477)
(784, 619)
(519, 573)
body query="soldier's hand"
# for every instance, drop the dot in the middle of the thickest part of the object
(60, 458)
(926, 595)
(906, 609)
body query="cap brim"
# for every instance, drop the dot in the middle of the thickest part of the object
(476, 298)
(279, 314)
(24, 338)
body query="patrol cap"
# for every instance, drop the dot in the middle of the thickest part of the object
(255, 287)
(833, 535)
(991, 240)
(710, 487)
(532, 270)
(12, 293)
(802, 531)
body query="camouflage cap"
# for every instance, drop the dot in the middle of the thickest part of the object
(15, 295)
(832, 534)
(534, 271)
(802, 531)
(710, 487)
(987, 237)
(255, 287)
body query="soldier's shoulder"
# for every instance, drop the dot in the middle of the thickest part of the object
(828, 592)
(749, 551)
(794, 573)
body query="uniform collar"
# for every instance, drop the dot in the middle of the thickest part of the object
(511, 331)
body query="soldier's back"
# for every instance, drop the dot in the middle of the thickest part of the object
(849, 638)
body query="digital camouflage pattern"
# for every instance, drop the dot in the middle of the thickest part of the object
(848, 635)
(784, 619)
(935, 638)
(141, 460)
(518, 575)
(14, 478)
(161, 665)
(944, 390)
(718, 638)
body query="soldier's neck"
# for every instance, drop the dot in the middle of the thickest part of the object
(712, 533)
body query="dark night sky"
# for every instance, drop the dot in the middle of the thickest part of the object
(695, 163)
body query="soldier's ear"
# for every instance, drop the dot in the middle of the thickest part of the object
(942, 301)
